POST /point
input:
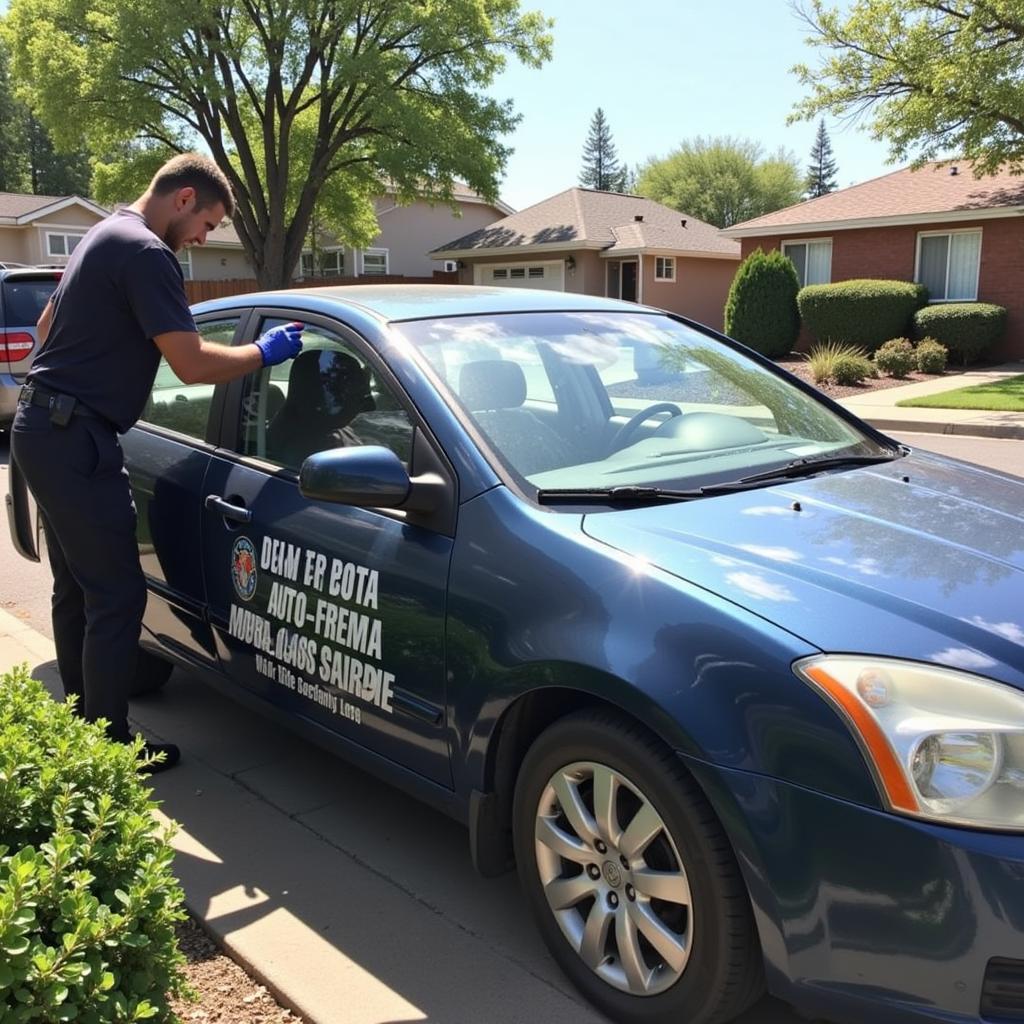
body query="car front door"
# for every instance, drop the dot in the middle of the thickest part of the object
(331, 613)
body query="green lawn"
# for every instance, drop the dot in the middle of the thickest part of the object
(1005, 395)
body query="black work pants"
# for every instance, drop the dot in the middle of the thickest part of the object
(77, 476)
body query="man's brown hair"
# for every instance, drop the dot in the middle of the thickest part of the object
(193, 170)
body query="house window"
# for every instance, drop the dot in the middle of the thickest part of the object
(948, 263)
(375, 262)
(501, 274)
(517, 272)
(331, 263)
(185, 261)
(535, 272)
(61, 244)
(664, 268)
(813, 260)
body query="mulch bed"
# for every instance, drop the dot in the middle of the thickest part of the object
(798, 366)
(225, 992)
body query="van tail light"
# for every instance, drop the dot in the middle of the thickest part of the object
(15, 345)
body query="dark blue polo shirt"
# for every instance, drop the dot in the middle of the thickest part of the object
(122, 287)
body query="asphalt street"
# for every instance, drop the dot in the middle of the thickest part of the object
(487, 912)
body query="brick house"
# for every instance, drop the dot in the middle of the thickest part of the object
(961, 236)
(604, 243)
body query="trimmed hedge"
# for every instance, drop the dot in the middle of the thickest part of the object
(967, 329)
(865, 312)
(931, 356)
(761, 310)
(88, 904)
(896, 357)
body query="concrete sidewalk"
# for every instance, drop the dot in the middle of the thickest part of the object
(879, 408)
(351, 902)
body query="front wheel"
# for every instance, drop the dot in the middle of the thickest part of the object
(630, 877)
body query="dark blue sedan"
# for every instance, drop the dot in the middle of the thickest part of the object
(735, 681)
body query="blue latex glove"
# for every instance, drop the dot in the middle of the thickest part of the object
(280, 343)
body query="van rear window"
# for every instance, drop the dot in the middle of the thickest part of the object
(25, 299)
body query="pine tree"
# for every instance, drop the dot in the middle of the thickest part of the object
(601, 168)
(821, 175)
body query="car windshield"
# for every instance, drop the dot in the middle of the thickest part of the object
(580, 401)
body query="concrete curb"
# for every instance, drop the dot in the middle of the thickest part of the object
(890, 424)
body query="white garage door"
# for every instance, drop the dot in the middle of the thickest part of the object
(547, 275)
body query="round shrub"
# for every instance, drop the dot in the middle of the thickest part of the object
(896, 357)
(88, 905)
(761, 308)
(849, 368)
(864, 312)
(967, 329)
(931, 356)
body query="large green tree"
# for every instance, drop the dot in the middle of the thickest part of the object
(290, 97)
(28, 160)
(601, 168)
(722, 180)
(931, 77)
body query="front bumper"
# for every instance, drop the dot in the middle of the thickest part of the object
(864, 915)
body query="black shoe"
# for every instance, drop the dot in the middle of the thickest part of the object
(171, 756)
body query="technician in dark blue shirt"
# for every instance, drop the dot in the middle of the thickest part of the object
(120, 305)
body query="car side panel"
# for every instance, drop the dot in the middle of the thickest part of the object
(533, 604)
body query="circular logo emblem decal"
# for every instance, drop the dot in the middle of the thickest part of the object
(243, 568)
(612, 874)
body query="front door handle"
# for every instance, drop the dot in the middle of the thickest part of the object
(237, 513)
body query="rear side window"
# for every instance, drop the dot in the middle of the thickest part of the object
(25, 299)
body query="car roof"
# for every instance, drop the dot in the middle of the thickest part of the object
(396, 302)
(30, 272)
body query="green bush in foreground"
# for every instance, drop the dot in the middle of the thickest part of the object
(861, 312)
(967, 329)
(88, 904)
(896, 357)
(931, 356)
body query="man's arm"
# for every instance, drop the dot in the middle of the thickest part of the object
(43, 323)
(197, 361)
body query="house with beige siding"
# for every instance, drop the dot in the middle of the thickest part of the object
(961, 236)
(45, 229)
(38, 230)
(604, 243)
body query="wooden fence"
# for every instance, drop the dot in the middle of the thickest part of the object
(200, 291)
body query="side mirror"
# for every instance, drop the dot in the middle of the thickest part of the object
(370, 476)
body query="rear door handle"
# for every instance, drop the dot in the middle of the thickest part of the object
(216, 503)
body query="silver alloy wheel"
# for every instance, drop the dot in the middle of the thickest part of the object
(613, 878)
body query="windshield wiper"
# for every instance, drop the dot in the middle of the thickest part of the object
(807, 467)
(625, 494)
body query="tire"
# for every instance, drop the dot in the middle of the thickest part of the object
(151, 672)
(705, 964)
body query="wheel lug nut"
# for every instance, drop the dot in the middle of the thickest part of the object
(593, 870)
(613, 900)
(600, 847)
(623, 862)
(630, 893)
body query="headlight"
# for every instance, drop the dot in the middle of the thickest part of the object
(943, 745)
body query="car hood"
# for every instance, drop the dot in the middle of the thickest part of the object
(920, 558)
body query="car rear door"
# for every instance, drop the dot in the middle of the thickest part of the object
(332, 614)
(167, 455)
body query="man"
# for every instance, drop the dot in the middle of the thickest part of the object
(120, 305)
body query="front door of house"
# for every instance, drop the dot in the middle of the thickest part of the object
(622, 278)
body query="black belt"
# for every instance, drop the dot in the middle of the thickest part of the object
(33, 394)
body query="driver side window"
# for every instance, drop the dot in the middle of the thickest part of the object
(328, 396)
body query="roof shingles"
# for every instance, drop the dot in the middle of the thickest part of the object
(584, 218)
(934, 189)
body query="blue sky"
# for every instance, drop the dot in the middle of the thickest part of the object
(663, 71)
